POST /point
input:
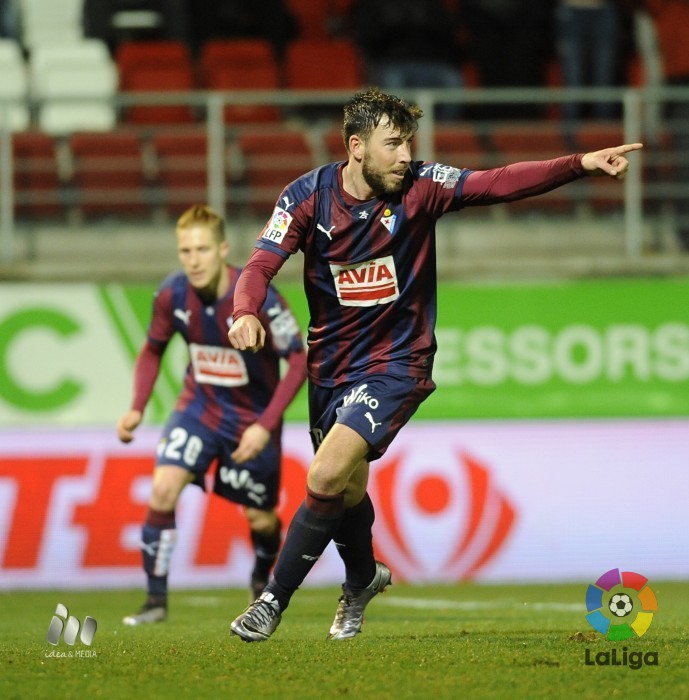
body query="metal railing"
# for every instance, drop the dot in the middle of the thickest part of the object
(659, 176)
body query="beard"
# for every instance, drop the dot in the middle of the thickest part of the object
(375, 179)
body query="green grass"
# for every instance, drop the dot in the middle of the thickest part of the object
(425, 642)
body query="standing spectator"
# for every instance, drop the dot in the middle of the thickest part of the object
(242, 19)
(671, 18)
(9, 19)
(588, 45)
(230, 407)
(417, 47)
(509, 43)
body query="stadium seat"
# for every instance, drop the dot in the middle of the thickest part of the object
(241, 64)
(459, 145)
(338, 62)
(534, 141)
(134, 54)
(75, 85)
(108, 173)
(537, 141)
(36, 176)
(46, 22)
(333, 144)
(271, 160)
(182, 169)
(312, 17)
(156, 67)
(14, 85)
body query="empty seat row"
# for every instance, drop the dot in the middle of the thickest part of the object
(129, 171)
(75, 84)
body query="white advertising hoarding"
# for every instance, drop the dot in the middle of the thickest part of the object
(487, 501)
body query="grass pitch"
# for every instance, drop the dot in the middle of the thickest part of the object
(418, 642)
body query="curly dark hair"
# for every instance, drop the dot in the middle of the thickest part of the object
(365, 110)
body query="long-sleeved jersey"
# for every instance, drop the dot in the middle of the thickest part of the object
(222, 386)
(369, 266)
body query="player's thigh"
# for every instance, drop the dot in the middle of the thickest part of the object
(338, 461)
(261, 521)
(168, 483)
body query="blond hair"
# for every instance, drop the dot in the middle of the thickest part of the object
(203, 215)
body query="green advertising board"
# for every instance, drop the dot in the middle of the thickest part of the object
(598, 348)
(575, 349)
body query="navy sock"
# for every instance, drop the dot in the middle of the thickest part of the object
(354, 542)
(308, 535)
(266, 548)
(158, 537)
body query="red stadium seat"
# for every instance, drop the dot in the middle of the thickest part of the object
(326, 64)
(36, 179)
(131, 55)
(334, 145)
(241, 64)
(537, 141)
(182, 163)
(108, 173)
(459, 145)
(156, 67)
(272, 159)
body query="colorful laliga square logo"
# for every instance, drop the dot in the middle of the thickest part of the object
(621, 605)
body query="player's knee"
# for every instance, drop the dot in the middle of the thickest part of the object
(262, 522)
(165, 493)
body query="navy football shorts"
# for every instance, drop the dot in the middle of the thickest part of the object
(376, 407)
(188, 443)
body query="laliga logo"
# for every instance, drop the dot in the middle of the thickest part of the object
(455, 519)
(614, 598)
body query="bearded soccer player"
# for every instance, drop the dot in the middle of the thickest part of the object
(367, 229)
(230, 407)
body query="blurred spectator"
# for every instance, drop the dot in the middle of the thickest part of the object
(242, 19)
(115, 21)
(9, 19)
(509, 42)
(588, 42)
(408, 44)
(671, 18)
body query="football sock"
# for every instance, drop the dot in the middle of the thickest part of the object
(309, 533)
(158, 538)
(266, 549)
(354, 542)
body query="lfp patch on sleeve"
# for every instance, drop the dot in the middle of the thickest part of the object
(277, 227)
(367, 283)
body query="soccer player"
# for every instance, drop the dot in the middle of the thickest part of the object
(367, 228)
(230, 407)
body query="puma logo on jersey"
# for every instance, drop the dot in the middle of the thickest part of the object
(184, 316)
(288, 204)
(374, 425)
(327, 231)
(367, 283)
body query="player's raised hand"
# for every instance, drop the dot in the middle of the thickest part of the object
(127, 424)
(609, 161)
(247, 333)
